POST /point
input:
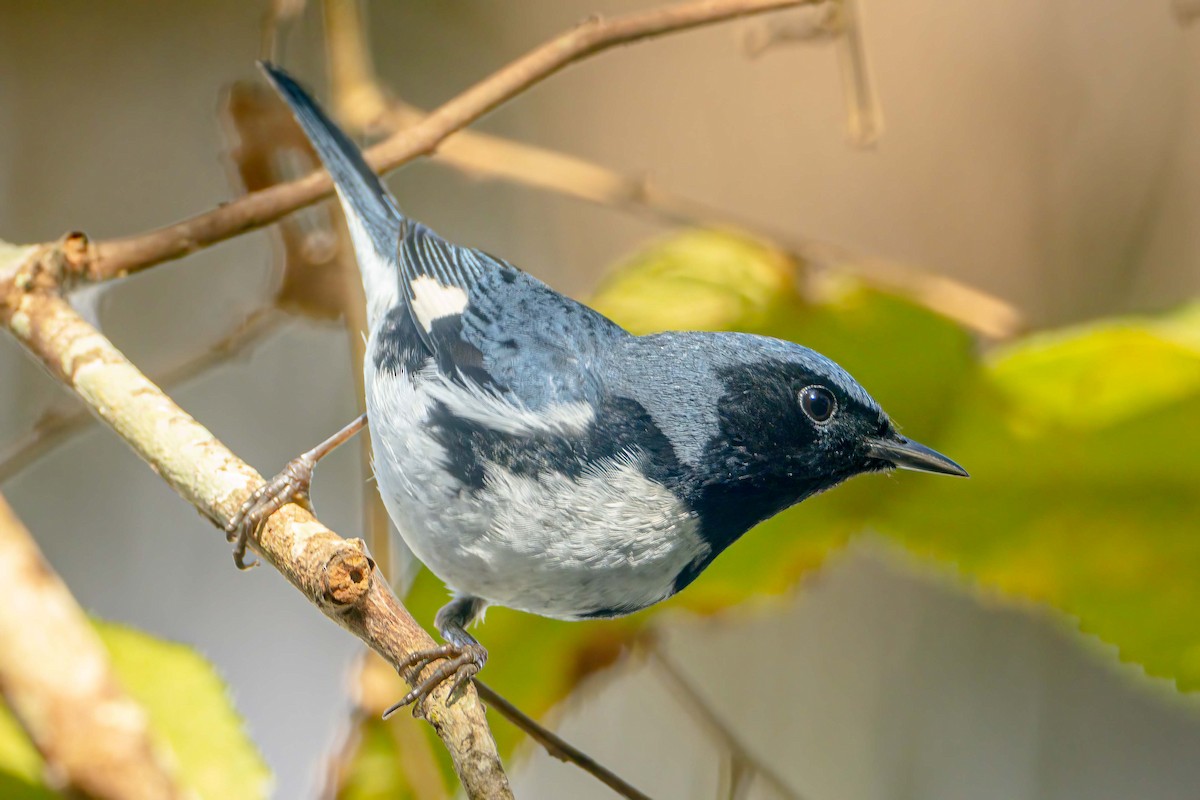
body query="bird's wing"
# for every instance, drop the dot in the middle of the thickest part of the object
(486, 324)
(492, 325)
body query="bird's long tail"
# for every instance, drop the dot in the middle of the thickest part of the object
(371, 212)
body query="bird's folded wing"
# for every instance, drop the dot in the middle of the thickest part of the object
(493, 326)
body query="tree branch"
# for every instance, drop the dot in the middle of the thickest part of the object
(557, 746)
(364, 105)
(336, 575)
(114, 258)
(56, 427)
(485, 155)
(55, 675)
(743, 762)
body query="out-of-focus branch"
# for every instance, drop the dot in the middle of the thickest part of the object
(744, 766)
(374, 687)
(555, 745)
(767, 34)
(55, 675)
(864, 119)
(482, 154)
(57, 427)
(114, 258)
(1186, 11)
(334, 574)
(364, 105)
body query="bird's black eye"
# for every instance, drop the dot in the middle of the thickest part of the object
(818, 403)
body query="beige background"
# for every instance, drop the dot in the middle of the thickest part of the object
(1044, 151)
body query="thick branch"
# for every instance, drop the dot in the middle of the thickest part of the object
(55, 675)
(335, 574)
(55, 428)
(122, 256)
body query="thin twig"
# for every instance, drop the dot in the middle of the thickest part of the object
(56, 676)
(482, 154)
(56, 428)
(718, 729)
(113, 258)
(364, 105)
(555, 745)
(336, 575)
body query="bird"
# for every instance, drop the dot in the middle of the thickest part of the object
(535, 455)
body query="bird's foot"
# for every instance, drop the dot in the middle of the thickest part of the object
(291, 485)
(460, 663)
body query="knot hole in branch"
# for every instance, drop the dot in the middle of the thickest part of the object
(347, 575)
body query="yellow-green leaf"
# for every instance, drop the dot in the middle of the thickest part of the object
(1083, 445)
(20, 764)
(188, 707)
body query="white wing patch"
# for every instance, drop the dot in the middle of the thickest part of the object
(433, 300)
(503, 414)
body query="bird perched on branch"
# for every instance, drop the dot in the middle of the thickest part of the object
(535, 455)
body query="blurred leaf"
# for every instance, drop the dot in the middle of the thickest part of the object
(1097, 376)
(373, 772)
(188, 706)
(1083, 447)
(713, 282)
(20, 763)
(1085, 492)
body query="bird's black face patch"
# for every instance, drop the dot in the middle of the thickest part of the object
(773, 451)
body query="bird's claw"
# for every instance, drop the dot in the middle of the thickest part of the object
(459, 663)
(291, 485)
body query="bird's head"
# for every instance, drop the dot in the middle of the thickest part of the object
(793, 423)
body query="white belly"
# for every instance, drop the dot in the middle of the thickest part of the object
(551, 545)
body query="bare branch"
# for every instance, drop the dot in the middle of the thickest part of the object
(363, 104)
(482, 154)
(742, 760)
(56, 676)
(57, 427)
(555, 745)
(110, 259)
(334, 574)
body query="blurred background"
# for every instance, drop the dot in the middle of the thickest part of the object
(986, 211)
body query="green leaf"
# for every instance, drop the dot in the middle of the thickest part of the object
(1083, 446)
(188, 707)
(712, 280)
(20, 763)
(1085, 490)
(709, 280)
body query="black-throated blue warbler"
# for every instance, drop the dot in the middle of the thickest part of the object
(535, 455)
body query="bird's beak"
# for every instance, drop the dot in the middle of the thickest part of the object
(907, 454)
